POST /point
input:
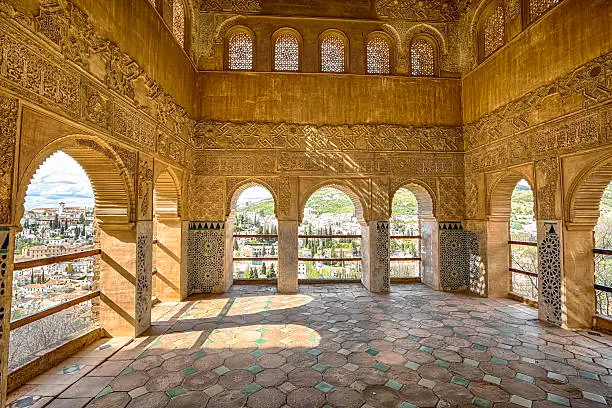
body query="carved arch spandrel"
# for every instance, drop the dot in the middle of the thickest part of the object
(110, 172)
(357, 189)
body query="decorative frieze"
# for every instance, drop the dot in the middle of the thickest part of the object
(428, 10)
(250, 163)
(260, 135)
(590, 84)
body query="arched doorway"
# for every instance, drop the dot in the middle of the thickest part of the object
(603, 255)
(523, 243)
(330, 237)
(254, 248)
(507, 256)
(123, 264)
(167, 239)
(58, 221)
(413, 236)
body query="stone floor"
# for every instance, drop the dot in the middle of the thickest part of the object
(336, 346)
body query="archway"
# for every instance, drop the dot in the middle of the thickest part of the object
(124, 280)
(167, 239)
(413, 235)
(58, 221)
(500, 245)
(603, 255)
(254, 234)
(330, 236)
(523, 243)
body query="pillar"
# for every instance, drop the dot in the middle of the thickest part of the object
(125, 277)
(578, 277)
(167, 280)
(7, 242)
(550, 269)
(228, 274)
(375, 259)
(499, 278)
(430, 271)
(288, 248)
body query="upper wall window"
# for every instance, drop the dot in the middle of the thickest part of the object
(422, 57)
(286, 52)
(538, 8)
(491, 29)
(178, 21)
(240, 51)
(333, 53)
(378, 55)
(494, 31)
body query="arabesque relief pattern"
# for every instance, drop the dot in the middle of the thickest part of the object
(206, 246)
(590, 83)
(8, 132)
(116, 98)
(549, 260)
(254, 135)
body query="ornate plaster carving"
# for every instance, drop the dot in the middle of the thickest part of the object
(8, 133)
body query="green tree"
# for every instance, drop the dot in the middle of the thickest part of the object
(271, 272)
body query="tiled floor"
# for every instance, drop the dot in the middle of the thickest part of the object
(338, 346)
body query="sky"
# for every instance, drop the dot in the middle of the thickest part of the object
(59, 179)
(254, 194)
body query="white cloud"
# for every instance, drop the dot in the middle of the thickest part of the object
(60, 178)
(255, 193)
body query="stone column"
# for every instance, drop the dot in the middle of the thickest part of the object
(430, 271)
(7, 242)
(499, 278)
(578, 276)
(126, 277)
(228, 274)
(144, 276)
(288, 248)
(550, 267)
(376, 262)
(167, 281)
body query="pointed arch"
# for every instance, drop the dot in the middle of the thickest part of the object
(235, 191)
(167, 195)
(342, 186)
(425, 197)
(109, 168)
(586, 193)
(500, 197)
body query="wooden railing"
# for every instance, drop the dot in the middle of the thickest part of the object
(53, 309)
(35, 263)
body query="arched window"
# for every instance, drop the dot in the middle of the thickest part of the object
(286, 52)
(537, 8)
(178, 21)
(378, 56)
(422, 57)
(240, 51)
(333, 53)
(493, 31)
